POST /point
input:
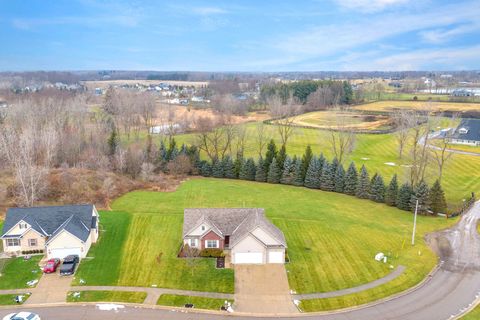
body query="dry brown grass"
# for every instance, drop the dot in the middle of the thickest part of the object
(76, 185)
(350, 120)
(419, 105)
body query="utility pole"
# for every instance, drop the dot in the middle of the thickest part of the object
(414, 223)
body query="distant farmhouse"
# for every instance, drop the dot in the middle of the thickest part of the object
(468, 132)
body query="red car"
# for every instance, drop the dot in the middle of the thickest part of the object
(51, 265)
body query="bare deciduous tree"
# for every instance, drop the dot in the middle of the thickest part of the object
(262, 136)
(442, 155)
(342, 135)
(214, 141)
(284, 113)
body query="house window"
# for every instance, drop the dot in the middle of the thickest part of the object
(13, 242)
(32, 242)
(211, 244)
(203, 228)
(22, 226)
(193, 243)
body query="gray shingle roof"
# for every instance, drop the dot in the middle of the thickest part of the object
(234, 222)
(473, 126)
(50, 220)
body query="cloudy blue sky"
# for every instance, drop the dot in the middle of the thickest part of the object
(247, 35)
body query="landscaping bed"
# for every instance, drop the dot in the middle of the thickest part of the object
(106, 296)
(199, 302)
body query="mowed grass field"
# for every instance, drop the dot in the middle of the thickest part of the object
(418, 105)
(199, 302)
(107, 296)
(332, 239)
(139, 247)
(352, 120)
(379, 153)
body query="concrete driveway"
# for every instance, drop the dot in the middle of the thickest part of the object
(262, 289)
(50, 289)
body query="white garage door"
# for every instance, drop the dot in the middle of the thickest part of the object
(275, 257)
(248, 257)
(62, 253)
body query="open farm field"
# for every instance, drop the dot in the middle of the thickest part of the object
(347, 120)
(389, 106)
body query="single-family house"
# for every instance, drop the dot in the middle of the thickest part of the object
(57, 230)
(244, 233)
(468, 133)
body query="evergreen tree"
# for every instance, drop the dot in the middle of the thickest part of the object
(377, 189)
(363, 186)
(327, 179)
(228, 168)
(172, 151)
(321, 161)
(347, 93)
(392, 192)
(334, 165)
(237, 166)
(404, 196)
(288, 171)
(247, 171)
(437, 198)
(297, 173)
(340, 179)
(282, 155)
(260, 175)
(271, 153)
(351, 180)
(112, 141)
(205, 169)
(217, 169)
(422, 194)
(273, 172)
(307, 157)
(312, 178)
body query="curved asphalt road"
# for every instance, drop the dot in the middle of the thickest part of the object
(454, 287)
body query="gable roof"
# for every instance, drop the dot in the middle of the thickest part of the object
(473, 127)
(51, 220)
(235, 222)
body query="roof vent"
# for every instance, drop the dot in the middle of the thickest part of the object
(463, 130)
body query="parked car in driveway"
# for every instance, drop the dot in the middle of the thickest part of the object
(69, 264)
(22, 316)
(51, 265)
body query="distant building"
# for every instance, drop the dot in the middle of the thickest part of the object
(468, 133)
(462, 93)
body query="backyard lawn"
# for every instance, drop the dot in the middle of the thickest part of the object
(17, 272)
(379, 153)
(332, 239)
(199, 302)
(107, 296)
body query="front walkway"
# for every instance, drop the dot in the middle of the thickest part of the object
(262, 289)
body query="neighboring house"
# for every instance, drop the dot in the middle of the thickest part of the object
(244, 233)
(58, 230)
(468, 132)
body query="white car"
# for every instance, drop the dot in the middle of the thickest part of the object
(22, 316)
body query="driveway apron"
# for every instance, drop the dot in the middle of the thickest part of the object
(262, 289)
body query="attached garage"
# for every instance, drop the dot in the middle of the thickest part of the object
(248, 257)
(276, 256)
(63, 252)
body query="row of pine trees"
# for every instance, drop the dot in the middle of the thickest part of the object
(316, 172)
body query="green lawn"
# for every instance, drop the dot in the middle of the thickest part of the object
(461, 174)
(472, 315)
(9, 299)
(332, 239)
(198, 302)
(107, 296)
(17, 272)
(140, 248)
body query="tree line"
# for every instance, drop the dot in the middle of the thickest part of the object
(313, 172)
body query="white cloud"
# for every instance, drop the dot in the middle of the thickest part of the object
(370, 5)
(204, 11)
(443, 35)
